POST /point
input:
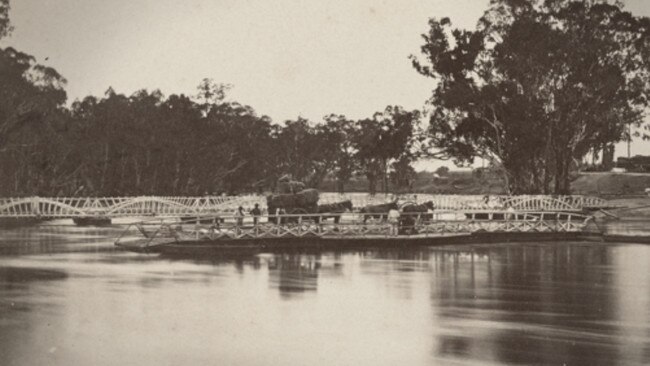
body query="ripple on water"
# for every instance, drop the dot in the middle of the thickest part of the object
(533, 303)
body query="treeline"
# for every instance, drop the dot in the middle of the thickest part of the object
(149, 144)
(534, 88)
(537, 86)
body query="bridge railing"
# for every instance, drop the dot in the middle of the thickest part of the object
(464, 202)
(120, 206)
(421, 225)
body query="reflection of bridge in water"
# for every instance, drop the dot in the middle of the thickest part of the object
(52, 207)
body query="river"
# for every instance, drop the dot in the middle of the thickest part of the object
(68, 297)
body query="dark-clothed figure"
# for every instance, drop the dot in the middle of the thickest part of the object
(256, 213)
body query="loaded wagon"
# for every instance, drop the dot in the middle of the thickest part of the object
(304, 202)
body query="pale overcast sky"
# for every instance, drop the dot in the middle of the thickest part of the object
(284, 57)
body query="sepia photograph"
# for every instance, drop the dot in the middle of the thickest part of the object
(324, 182)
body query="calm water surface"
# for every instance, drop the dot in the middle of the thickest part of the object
(67, 297)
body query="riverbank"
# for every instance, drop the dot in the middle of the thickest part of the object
(631, 208)
(601, 184)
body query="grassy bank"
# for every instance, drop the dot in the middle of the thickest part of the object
(611, 184)
(607, 185)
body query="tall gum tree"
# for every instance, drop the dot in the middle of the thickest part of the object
(340, 132)
(383, 139)
(5, 25)
(536, 86)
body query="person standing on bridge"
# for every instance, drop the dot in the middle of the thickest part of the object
(256, 213)
(239, 218)
(510, 211)
(393, 219)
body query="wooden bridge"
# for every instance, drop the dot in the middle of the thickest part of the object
(349, 226)
(66, 207)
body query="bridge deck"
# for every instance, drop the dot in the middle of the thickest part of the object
(309, 227)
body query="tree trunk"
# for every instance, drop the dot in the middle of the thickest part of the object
(562, 178)
(384, 170)
(177, 174)
(16, 181)
(138, 174)
(154, 178)
(372, 184)
(104, 169)
(565, 186)
(548, 168)
(522, 180)
(558, 174)
(608, 157)
(120, 183)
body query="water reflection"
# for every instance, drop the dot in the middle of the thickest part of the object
(549, 304)
(293, 274)
(44, 239)
(70, 298)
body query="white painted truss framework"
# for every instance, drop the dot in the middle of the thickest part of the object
(53, 207)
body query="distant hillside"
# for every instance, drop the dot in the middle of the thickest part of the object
(483, 182)
(611, 184)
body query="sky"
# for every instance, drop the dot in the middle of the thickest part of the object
(285, 58)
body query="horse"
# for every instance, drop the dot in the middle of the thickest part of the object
(378, 211)
(410, 213)
(337, 208)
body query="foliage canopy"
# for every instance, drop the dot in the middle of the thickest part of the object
(536, 86)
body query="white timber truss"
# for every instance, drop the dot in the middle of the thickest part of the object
(59, 207)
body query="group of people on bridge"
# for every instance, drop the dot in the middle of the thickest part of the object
(401, 220)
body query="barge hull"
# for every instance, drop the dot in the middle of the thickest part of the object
(207, 247)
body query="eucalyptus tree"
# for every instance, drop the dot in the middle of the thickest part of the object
(366, 143)
(32, 121)
(239, 149)
(536, 85)
(294, 149)
(403, 174)
(307, 151)
(341, 133)
(211, 94)
(5, 25)
(108, 145)
(382, 139)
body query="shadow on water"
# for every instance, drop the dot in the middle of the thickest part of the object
(12, 275)
(21, 280)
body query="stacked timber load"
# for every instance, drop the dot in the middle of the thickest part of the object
(305, 201)
(288, 186)
(293, 199)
